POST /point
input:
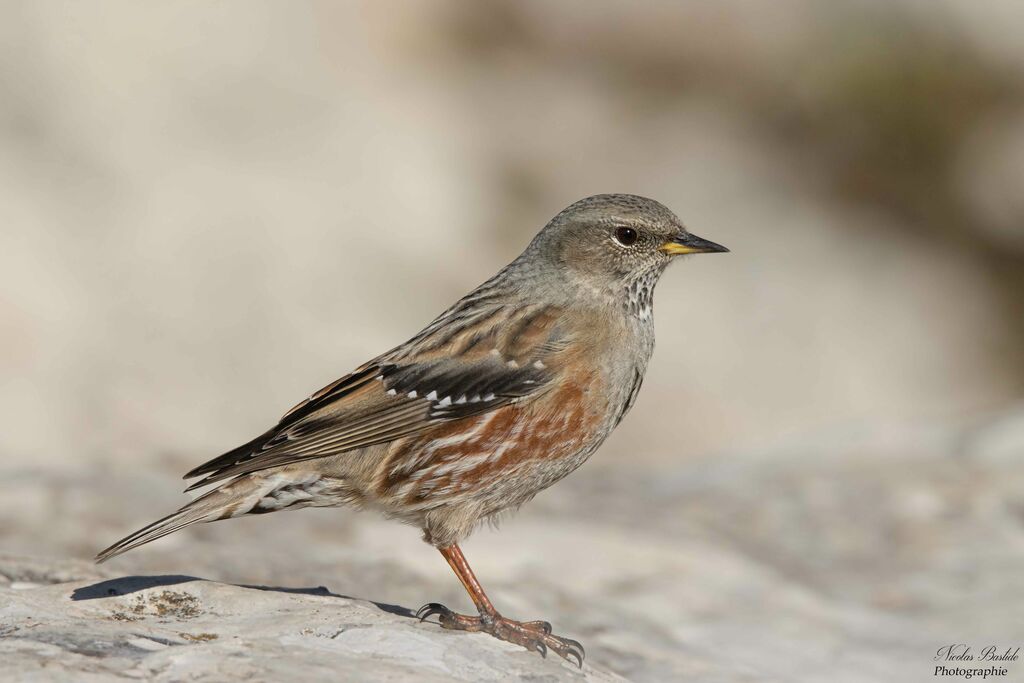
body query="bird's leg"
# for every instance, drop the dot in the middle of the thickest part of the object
(533, 635)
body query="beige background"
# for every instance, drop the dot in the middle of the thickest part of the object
(208, 211)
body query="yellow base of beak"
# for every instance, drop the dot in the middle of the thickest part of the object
(676, 249)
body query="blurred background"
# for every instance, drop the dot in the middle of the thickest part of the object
(210, 210)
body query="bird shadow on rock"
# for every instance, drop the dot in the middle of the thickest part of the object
(126, 585)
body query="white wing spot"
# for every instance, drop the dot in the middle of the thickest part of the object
(392, 392)
(412, 394)
(489, 397)
(445, 402)
(460, 400)
(539, 365)
(432, 396)
(512, 364)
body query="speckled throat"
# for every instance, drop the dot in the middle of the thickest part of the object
(639, 300)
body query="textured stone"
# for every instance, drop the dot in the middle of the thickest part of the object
(172, 628)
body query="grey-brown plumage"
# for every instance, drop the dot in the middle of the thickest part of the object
(502, 395)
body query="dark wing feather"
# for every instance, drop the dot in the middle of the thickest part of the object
(383, 400)
(332, 392)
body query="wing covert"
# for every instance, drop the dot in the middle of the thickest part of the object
(385, 400)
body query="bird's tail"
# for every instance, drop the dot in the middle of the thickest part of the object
(249, 494)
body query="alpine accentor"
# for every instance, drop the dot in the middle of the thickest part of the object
(505, 393)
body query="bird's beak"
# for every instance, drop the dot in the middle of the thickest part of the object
(685, 243)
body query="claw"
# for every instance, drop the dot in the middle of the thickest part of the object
(430, 609)
(541, 626)
(573, 649)
(567, 649)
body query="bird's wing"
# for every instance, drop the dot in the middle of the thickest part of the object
(476, 362)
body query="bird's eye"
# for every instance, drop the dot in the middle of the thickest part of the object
(625, 236)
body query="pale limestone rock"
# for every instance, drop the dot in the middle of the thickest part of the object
(172, 628)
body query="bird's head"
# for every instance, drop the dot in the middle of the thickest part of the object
(611, 241)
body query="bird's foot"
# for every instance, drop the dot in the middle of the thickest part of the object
(533, 635)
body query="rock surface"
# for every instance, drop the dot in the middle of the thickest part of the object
(173, 628)
(849, 558)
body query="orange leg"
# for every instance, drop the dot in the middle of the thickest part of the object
(533, 635)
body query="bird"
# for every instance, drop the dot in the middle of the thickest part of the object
(505, 393)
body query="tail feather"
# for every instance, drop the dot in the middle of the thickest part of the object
(205, 508)
(255, 493)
